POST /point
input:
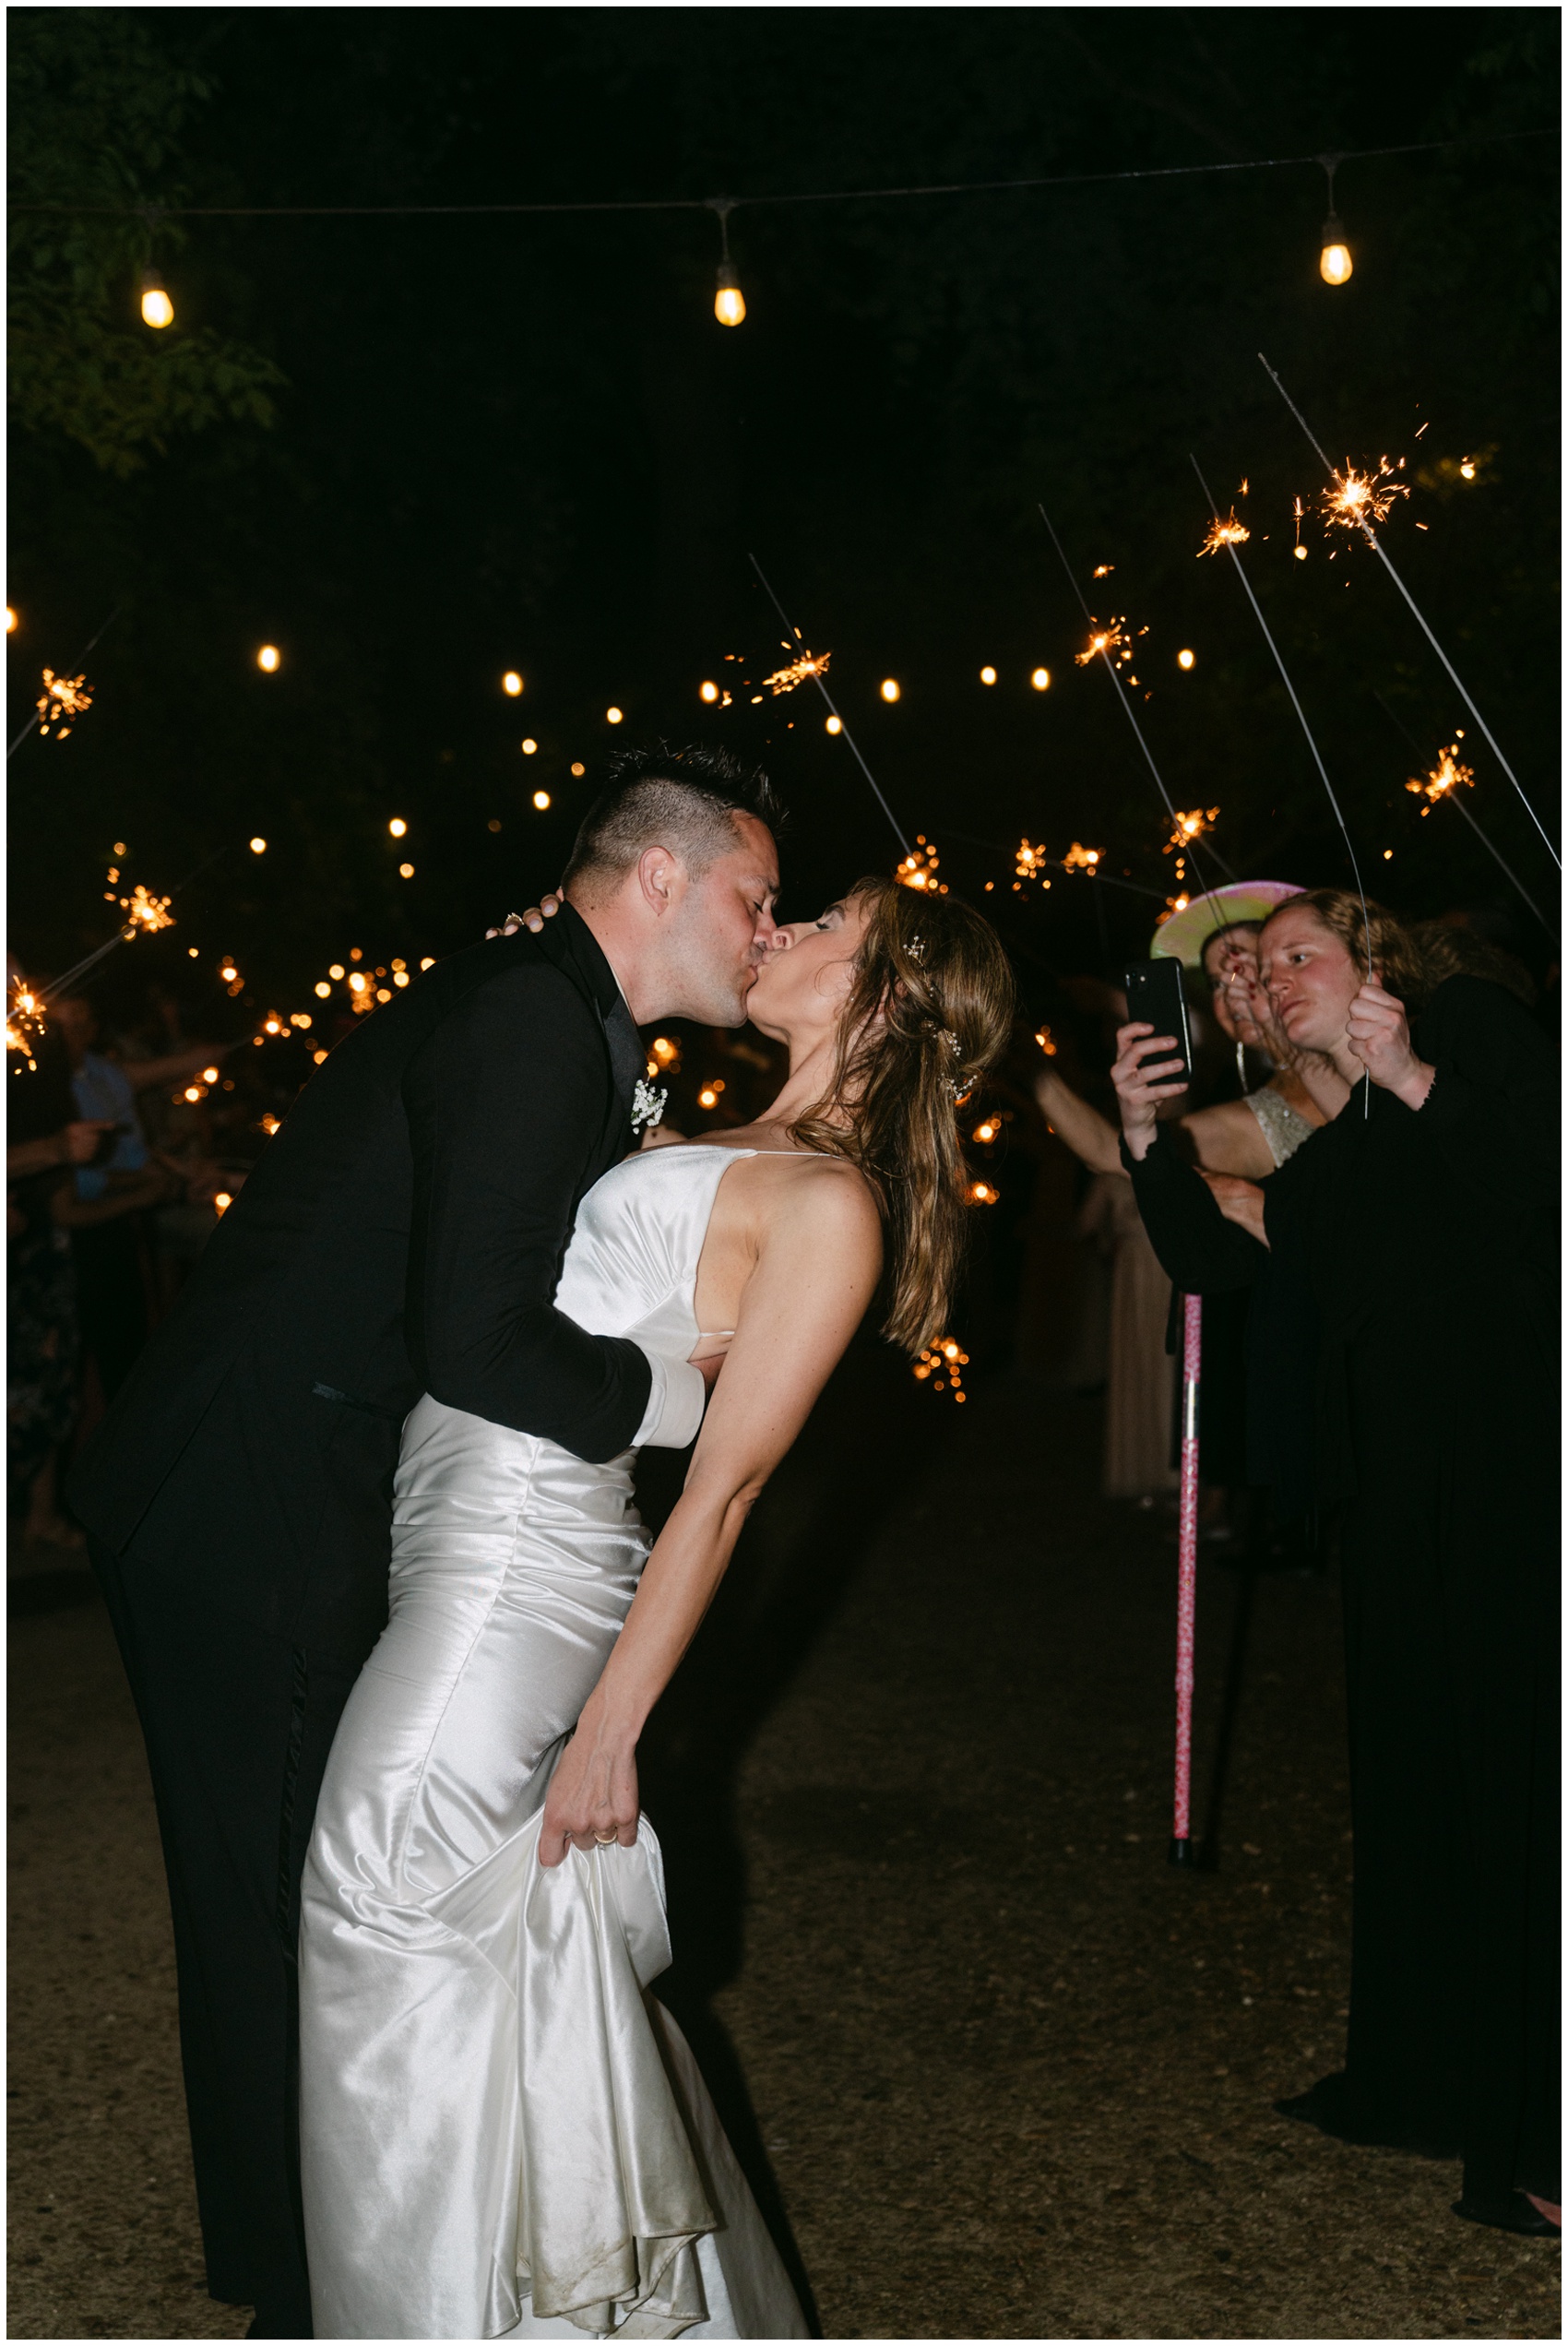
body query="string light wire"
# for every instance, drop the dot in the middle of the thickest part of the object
(1382, 552)
(815, 195)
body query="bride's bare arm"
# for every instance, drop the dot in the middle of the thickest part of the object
(819, 1255)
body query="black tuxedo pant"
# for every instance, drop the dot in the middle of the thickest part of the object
(238, 1725)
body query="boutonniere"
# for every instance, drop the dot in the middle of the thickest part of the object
(648, 1105)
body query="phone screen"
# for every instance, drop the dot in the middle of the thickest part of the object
(1155, 994)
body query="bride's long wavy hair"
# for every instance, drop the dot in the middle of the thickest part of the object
(929, 1011)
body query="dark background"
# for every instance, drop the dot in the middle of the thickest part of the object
(526, 443)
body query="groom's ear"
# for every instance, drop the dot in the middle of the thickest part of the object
(661, 880)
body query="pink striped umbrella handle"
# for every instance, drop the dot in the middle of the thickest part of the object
(1187, 1572)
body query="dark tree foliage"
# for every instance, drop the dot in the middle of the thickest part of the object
(524, 441)
(97, 113)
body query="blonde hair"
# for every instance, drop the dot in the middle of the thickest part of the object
(930, 1009)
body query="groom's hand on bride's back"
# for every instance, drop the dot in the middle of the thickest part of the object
(534, 918)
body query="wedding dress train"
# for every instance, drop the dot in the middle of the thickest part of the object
(502, 2134)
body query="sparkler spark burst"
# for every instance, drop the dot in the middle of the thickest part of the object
(1109, 638)
(1082, 859)
(1189, 826)
(61, 696)
(1228, 532)
(1358, 499)
(24, 1017)
(1448, 775)
(943, 1363)
(145, 915)
(798, 671)
(918, 868)
(1030, 864)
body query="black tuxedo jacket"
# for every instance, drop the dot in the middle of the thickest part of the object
(403, 1233)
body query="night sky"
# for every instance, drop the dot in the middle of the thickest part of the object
(526, 443)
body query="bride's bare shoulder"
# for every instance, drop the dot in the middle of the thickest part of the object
(816, 1198)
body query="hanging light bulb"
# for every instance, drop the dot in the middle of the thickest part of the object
(1335, 264)
(729, 301)
(156, 309)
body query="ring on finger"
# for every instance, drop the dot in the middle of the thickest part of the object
(607, 1841)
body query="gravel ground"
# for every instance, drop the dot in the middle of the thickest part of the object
(1003, 2072)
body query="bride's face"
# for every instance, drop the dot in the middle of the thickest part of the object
(803, 984)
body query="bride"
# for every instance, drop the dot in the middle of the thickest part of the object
(503, 2133)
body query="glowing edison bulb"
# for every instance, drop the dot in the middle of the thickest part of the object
(258, 847)
(836, 725)
(541, 799)
(1185, 659)
(709, 693)
(323, 990)
(396, 826)
(1040, 680)
(270, 660)
(889, 688)
(531, 747)
(988, 675)
(613, 716)
(511, 683)
(1334, 264)
(729, 303)
(156, 309)
(405, 871)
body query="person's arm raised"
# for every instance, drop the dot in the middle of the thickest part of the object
(819, 1255)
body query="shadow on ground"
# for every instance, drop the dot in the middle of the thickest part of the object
(996, 2069)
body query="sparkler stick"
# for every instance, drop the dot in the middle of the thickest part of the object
(1187, 1579)
(1312, 745)
(1133, 715)
(821, 685)
(129, 928)
(1455, 800)
(32, 720)
(1381, 551)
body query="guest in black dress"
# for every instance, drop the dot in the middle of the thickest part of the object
(1405, 1326)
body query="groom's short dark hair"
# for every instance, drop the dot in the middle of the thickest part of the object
(685, 799)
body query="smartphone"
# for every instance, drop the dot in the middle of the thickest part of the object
(1153, 993)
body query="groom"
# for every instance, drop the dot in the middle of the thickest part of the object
(403, 1233)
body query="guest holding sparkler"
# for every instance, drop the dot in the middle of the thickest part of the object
(1420, 1232)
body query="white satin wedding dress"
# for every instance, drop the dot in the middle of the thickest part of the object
(502, 2134)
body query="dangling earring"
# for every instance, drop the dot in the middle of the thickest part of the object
(1241, 1063)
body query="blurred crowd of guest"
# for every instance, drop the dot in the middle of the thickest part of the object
(125, 1141)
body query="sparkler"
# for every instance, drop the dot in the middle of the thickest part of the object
(1228, 532)
(1435, 787)
(1086, 858)
(944, 1363)
(42, 710)
(1358, 499)
(1109, 642)
(24, 1020)
(1381, 551)
(1446, 776)
(1103, 653)
(145, 915)
(818, 680)
(798, 671)
(61, 696)
(1312, 745)
(918, 868)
